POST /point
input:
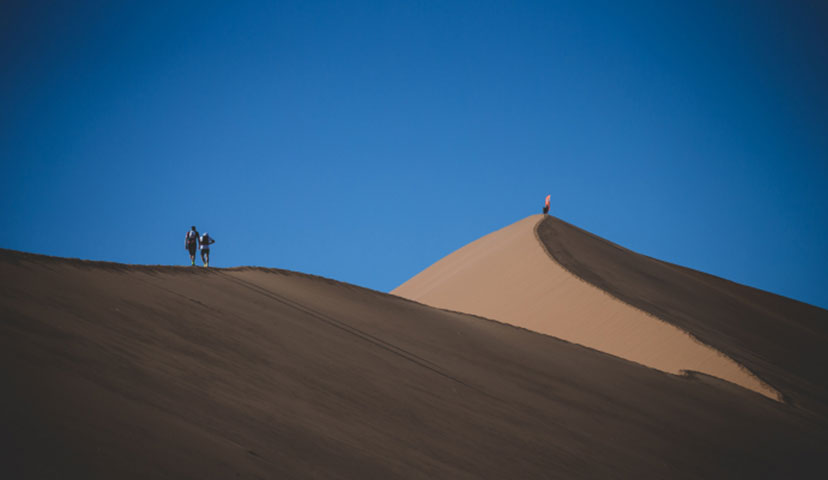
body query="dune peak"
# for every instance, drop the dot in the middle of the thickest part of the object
(509, 276)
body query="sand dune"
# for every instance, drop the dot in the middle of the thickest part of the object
(509, 276)
(118, 371)
(781, 340)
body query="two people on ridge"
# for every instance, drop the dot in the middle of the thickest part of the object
(193, 241)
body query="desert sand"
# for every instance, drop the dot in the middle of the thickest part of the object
(125, 371)
(780, 339)
(509, 276)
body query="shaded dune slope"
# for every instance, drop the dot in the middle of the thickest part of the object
(508, 276)
(781, 340)
(116, 371)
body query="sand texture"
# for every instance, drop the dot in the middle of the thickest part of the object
(509, 276)
(118, 371)
(783, 341)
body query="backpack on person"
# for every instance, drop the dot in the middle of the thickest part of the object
(192, 236)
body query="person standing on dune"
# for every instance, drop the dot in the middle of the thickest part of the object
(546, 205)
(191, 243)
(206, 241)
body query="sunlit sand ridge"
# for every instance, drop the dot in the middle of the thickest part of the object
(508, 276)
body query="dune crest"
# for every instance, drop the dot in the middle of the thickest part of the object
(508, 276)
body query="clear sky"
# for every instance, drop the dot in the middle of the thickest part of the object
(364, 140)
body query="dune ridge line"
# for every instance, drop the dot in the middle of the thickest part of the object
(507, 275)
(769, 391)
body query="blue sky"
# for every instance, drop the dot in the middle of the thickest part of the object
(364, 141)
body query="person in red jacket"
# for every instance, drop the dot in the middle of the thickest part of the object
(546, 205)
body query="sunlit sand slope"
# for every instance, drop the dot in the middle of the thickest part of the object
(509, 276)
(783, 341)
(118, 371)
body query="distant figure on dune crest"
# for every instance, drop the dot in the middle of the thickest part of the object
(546, 205)
(206, 241)
(191, 243)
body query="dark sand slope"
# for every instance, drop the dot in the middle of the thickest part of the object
(783, 341)
(116, 371)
